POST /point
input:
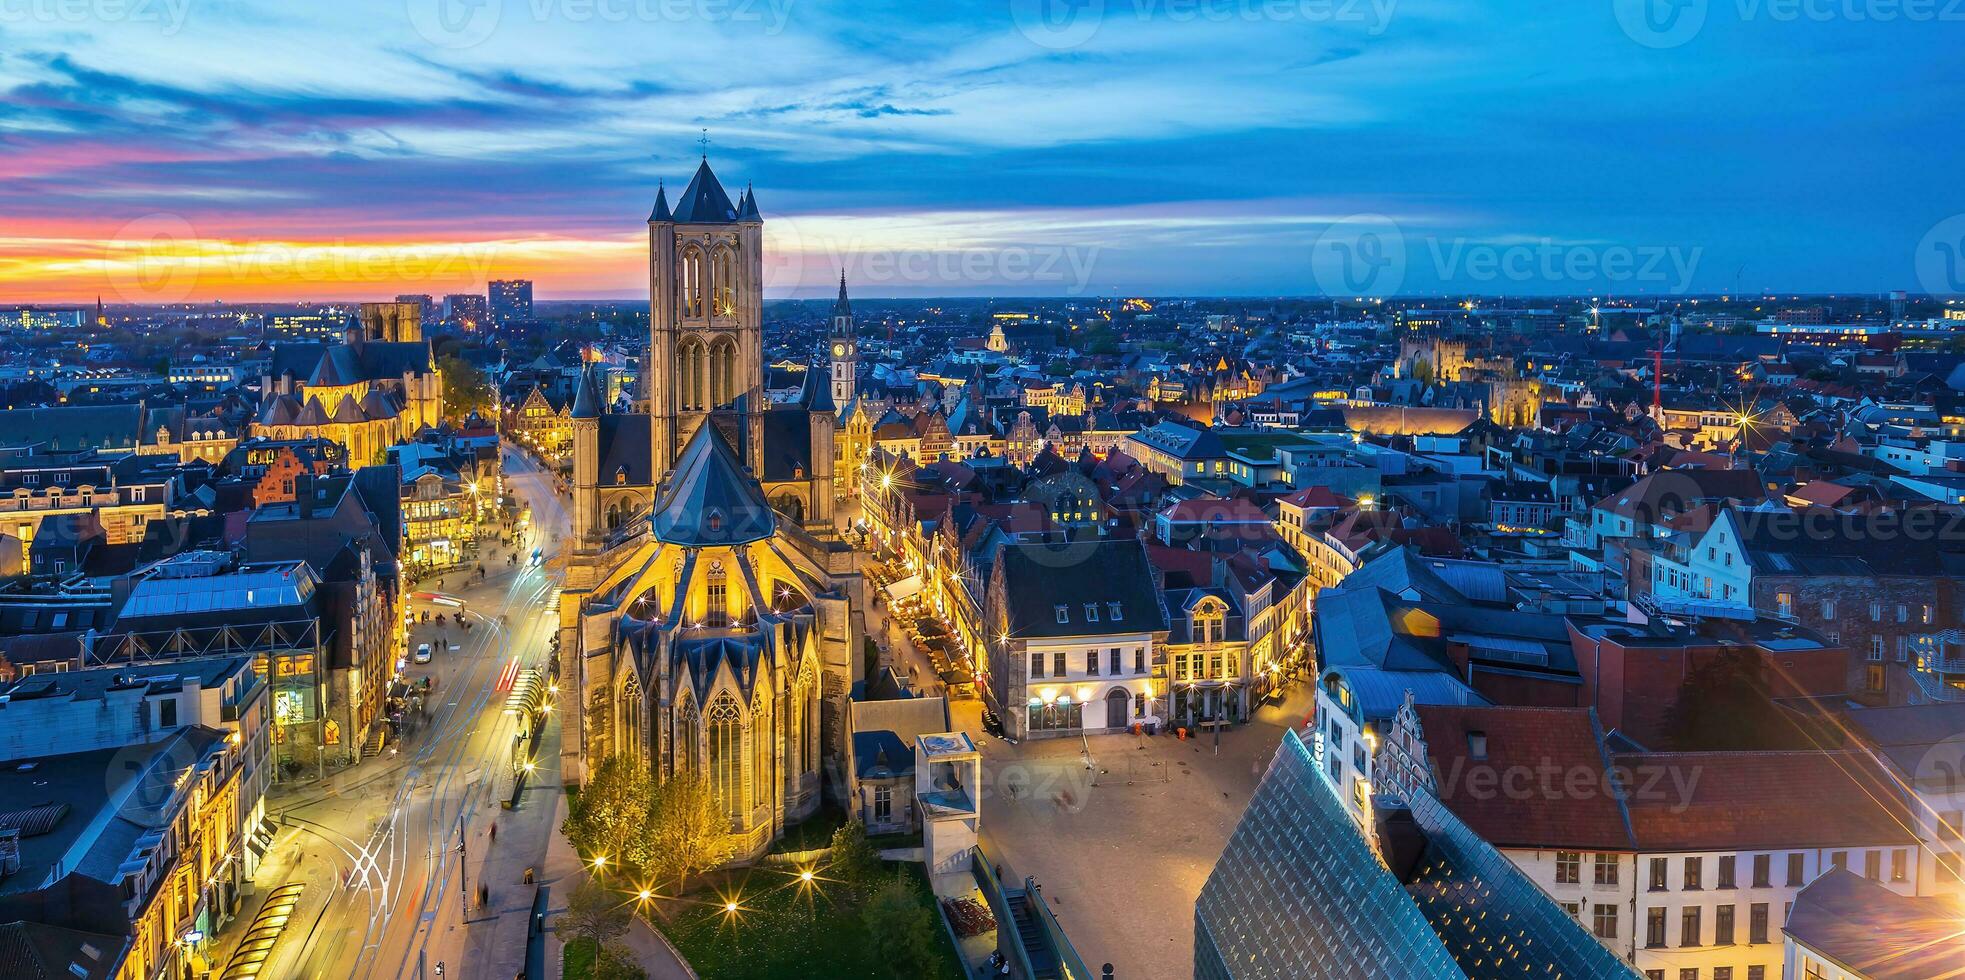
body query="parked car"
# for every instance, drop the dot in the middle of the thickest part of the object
(423, 653)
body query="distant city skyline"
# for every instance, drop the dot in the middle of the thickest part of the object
(196, 153)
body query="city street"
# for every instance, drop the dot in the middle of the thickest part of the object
(393, 848)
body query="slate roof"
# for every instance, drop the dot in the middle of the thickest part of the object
(709, 499)
(71, 428)
(881, 755)
(38, 951)
(623, 442)
(1907, 737)
(587, 402)
(704, 201)
(1039, 577)
(1875, 933)
(1747, 801)
(787, 445)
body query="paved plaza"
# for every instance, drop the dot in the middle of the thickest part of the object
(1121, 849)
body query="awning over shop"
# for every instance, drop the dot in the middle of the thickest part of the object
(904, 588)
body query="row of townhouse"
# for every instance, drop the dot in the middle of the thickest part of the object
(138, 812)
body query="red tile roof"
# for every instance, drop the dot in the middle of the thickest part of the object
(1544, 780)
(1715, 801)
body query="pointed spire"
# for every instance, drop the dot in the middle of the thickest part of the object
(586, 396)
(842, 306)
(661, 212)
(704, 201)
(747, 210)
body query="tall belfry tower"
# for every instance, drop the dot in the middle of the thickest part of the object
(845, 354)
(706, 306)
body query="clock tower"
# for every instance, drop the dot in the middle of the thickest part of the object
(845, 358)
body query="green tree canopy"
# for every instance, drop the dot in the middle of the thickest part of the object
(904, 926)
(465, 388)
(614, 813)
(690, 832)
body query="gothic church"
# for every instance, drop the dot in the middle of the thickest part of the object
(708, 604)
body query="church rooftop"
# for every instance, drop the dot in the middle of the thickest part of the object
(710, 500)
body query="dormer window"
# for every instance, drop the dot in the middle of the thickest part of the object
(1112, 611)
(1091, 612)
(1064, 613)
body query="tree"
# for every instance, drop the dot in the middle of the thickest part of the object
(612, 820)
(855, 862)
(465, 388)
(690, 832)
(904, 925)
(1724, 704)
(596, 914)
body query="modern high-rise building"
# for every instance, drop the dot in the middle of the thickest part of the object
(466, 311)
(511, 299)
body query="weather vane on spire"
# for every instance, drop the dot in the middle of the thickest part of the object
(704, 141)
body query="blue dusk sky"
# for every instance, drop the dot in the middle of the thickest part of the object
(217, 149)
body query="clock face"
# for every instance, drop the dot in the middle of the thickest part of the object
(839, 350)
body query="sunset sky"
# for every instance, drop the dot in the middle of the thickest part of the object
(199, 150)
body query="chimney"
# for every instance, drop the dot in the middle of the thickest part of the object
(303, 494)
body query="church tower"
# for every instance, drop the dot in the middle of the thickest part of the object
(706, 319)
(845, 353)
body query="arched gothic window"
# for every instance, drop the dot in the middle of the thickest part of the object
(693, 375)
(688, 738)
(762, 735)
(692, 282)
(725, 725)
(726, 283)
(717, 613)
(723, 372)
(632, 739)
